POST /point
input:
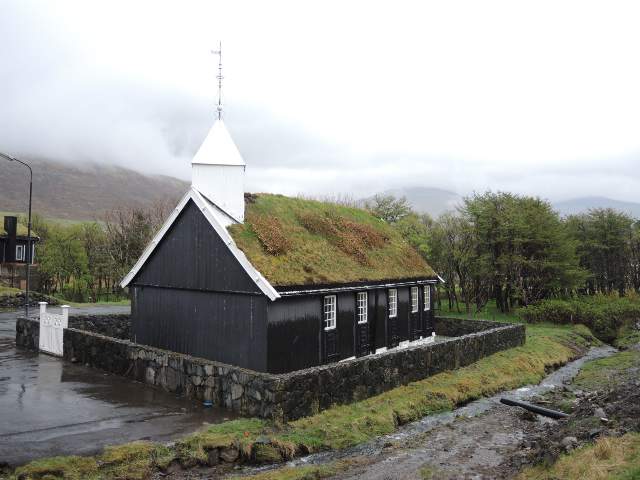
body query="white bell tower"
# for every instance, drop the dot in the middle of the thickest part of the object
(217, 169)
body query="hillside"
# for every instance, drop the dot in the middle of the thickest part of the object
(584, 204)
(434, 201)
(65, 191)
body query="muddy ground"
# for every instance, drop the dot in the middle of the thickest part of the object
(608, 411)
(503, 440)
(484, 439)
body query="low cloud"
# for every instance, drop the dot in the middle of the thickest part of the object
(71, 95)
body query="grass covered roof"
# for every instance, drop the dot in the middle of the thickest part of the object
(21, 230)
(293, 241)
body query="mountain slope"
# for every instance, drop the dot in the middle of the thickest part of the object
(65, 191)
(433, 201)
(584, 204)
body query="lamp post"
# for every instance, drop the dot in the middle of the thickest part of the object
(29, 244)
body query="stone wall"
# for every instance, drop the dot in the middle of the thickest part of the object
(17, 300)
(315, 389)
(112, 325)
(456, 327)
(291, 395)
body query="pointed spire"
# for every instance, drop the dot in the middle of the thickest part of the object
(219, 77)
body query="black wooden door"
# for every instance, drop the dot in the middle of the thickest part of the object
(330, 341)
(415, 324)
(363, 347)
(392, 332)
(415, 319)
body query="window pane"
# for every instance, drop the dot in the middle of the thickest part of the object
(427, 297)
(414, 299)
(330, 311)
(393, 302)
(362, 307)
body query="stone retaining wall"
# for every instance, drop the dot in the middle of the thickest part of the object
(456, 327)
(284, 396)
(17, 300)
(112, 325)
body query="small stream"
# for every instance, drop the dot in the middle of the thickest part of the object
(473, 409)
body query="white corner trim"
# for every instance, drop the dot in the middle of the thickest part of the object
(206, 209)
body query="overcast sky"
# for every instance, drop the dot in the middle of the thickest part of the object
(335, 97)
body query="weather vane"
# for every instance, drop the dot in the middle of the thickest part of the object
(219, 77)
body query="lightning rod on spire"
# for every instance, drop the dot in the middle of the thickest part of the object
(219, 77)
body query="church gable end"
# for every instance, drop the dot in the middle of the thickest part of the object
(191, 255)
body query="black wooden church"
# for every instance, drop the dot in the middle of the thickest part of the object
(273, 283)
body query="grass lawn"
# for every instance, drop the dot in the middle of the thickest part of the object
(8, 291)
(547, 346)
(489, 312)
(125, 302)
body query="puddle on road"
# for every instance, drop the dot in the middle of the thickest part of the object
(49, 406)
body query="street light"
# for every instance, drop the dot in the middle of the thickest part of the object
(29, 244)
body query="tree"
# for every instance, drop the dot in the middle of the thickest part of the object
(388, 208)
(63, 259)
(100, 269)
(608, 248)
(128, 231)
(414, 229)
(522, 248)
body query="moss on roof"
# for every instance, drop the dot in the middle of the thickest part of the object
(21, 230)
(293, 241)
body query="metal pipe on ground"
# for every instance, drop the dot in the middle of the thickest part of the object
(534, 408)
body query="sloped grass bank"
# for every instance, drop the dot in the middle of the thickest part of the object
(608, 458)
(260, 441)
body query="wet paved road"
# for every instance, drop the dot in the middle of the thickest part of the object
(51, 407)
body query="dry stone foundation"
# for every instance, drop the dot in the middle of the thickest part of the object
(283, 396)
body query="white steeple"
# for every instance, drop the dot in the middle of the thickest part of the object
(217, 169)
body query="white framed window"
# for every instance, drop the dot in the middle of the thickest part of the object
(427, 297)
(329, 312)
(393, 302)
(414, 299)
(19, 252)
(361, 301)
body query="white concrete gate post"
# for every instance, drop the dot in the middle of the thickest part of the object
(52, 329)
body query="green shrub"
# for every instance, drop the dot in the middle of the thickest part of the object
(604, 315)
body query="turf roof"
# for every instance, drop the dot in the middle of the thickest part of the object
(293, 241)
(21, 230)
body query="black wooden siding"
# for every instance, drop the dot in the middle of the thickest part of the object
(192, 296)
(192, 255)
(296, 335)
(229, 328)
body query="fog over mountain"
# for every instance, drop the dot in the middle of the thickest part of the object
(584, 204)
(436, 201)
(87, 192)
(466, 97)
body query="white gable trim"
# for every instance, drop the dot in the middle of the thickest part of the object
(207, 210)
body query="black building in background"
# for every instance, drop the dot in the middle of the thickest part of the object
(15, 252)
